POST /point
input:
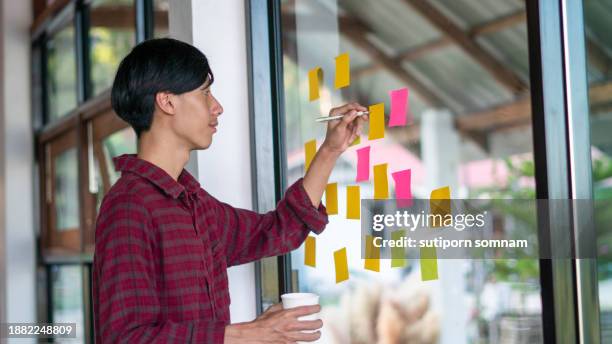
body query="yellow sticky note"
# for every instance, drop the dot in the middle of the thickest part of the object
(372, 255)
(310, 149)
(353, 199)
(398, 254)
(377, 121)
(341, 264)
(356, 142)
(315, 79)
(429, 264)
(331, 198)
(381, 183)
(343, 71)
(439, 204)
(310, 248)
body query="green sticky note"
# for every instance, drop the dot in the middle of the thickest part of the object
(398, 254)
(429, 264)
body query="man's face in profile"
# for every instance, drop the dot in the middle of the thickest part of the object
(196, 117)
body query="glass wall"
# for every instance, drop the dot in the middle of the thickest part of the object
(598, 41)
(466, 67)
(111, 37)
(61, 73)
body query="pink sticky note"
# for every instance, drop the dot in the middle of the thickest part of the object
(363, 164)
(403, 190)
(399, 107)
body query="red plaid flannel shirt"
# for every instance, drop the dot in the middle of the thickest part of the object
(163, 247)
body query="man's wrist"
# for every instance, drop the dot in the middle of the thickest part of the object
(327, 152)
(234, 333)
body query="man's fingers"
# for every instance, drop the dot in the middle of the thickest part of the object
(301, 325)
(349, 117)
(274, 308)
(304, 336)
(303, 310)
(341, 110)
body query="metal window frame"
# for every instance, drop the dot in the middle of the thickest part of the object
(266, 120)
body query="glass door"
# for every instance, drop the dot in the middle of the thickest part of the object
(464, 68)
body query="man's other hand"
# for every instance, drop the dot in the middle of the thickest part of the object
(276, 325)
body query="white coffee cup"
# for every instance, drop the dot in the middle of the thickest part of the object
(292, 300)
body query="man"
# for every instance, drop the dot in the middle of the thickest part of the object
(163, 244)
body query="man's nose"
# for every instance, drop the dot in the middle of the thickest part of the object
(217, 108)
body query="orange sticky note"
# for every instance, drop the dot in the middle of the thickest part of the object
(439, 204)
(331, 198)
(310, 149)
(356, 142)
(310, 249)
(372, 255)
(377, 121)
(343, 71)
(381, 183)
(315, 79)
(353, 206)
(341, 264)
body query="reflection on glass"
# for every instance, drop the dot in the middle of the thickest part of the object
(112, 35)
(61, 73)
(598, 23)
(65, 190)
(160, 20)
(67, 296)
(121, 142)
(456, 140)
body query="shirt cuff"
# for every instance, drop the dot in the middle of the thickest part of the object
(208, 332)
(314, 218)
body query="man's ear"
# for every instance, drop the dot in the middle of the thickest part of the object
(166, 102)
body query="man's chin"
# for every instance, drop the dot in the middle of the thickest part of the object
(201, 146)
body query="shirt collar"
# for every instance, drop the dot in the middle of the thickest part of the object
(157, 176)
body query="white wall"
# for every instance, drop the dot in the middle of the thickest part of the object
(218, 29)
(17, 235)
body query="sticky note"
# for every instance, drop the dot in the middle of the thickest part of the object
(439, 204)
(377, 121)
(403, 189)
(398, 254)
(310, 249)
(315, 80)
(310, 149)
(381, 184)
(429, 264)
(399, 107)
(341, 264)
(353, 200)
(343, 71)
(356, 142)
(331, 198)
(363, 164)
(372, 255)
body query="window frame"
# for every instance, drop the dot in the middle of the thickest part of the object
(77, 124)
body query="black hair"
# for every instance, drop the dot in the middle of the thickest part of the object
(156, 65)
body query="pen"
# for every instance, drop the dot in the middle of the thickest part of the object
(331, 118)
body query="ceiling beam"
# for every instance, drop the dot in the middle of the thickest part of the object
(500, 72)
(498, 24)
(357, 34)
(518, 112)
